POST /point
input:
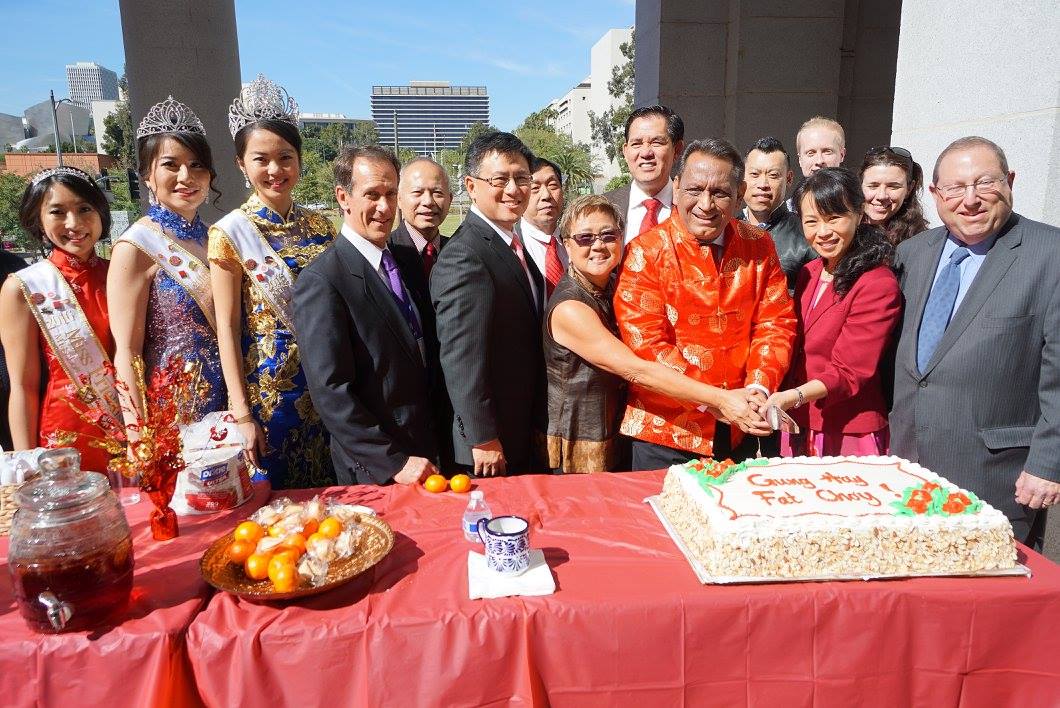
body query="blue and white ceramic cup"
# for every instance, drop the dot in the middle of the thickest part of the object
(507, 543)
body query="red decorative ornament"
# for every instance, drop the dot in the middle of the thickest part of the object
(175, 261)
(251, 264)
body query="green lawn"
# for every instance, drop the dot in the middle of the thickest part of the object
(448, 226)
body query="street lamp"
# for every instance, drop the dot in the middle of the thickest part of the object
(55, 126)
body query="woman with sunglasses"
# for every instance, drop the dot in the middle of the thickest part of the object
(848, 303)
(892, 182)
(587, 365)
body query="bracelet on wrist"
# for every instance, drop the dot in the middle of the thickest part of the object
(801, 400)
(246, 418)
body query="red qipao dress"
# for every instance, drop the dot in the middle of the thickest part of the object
(88, 281)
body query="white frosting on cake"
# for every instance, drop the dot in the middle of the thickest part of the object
(821, 492)
(804, 516)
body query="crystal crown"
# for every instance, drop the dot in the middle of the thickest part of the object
(169, 116)
(262, 99)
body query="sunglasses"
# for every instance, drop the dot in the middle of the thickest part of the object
(899, 152)
(589, 239)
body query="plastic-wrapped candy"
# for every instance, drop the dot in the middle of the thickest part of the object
(346, 543)
(313, 569)
(321, 548)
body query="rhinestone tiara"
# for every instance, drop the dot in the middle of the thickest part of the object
(262, 99)
(169, 116)
(53, 171)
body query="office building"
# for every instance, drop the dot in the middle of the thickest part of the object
(572, 113)
(88, 82)
(429, 115)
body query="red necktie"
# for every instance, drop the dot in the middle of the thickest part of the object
(553, 267)
(651, 219)
(430, 255)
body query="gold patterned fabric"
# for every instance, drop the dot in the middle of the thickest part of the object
(728, 327)
(299, 453)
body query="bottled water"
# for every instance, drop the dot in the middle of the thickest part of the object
(476, 509)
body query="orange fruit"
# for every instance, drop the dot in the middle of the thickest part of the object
(314, 538)
(460, 483)
(295, 541)
(249, 531)
(284, 579)
(275, 531)
(310, 527)
(330, 527)
(239, 550)
(435, 483)
(257, 566)
(277, 562)
(289, 554)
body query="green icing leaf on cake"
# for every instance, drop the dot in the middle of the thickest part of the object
(711, 473)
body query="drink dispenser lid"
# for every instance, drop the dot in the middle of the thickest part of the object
(62, 486)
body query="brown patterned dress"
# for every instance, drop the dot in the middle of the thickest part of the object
(585, 403)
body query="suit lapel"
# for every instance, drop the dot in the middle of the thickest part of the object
(997, 262)
(827, 301)
(921, 269)
(509, 259)
(379, 295)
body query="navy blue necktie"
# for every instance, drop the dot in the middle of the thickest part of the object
(939, 308)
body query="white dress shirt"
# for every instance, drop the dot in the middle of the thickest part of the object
(508, 237)
(374, 255)
(636, 211)
(535, 241)
(420, 240)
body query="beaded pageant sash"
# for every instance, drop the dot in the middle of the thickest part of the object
(72, 340)
(268, 272)
(180, 264)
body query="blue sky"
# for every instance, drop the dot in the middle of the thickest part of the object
(328, 54)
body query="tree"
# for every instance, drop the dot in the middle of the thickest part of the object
(609, 127)
(12, 187)
(406, 155)
(475, 131)
(545, 119)
(119, 137)
(317, 185)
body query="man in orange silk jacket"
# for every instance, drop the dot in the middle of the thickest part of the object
(705, 294)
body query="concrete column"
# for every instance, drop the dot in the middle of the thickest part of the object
(979, 68)
(744, 69)
(188, 49)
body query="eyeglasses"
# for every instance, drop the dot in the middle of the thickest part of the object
(901, 153)
(588, 239)
(501, 181)
(987, 185)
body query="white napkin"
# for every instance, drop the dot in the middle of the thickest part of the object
(483, 582)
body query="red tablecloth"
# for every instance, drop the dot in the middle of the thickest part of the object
(140, 662)
(628, 625)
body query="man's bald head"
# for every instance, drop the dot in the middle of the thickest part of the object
(424, 195)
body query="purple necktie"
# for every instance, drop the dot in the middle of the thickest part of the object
(397, 289)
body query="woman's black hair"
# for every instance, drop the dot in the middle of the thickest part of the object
(909, 220)
(148, 147)
(836, 191)
(280, 128)
(80, 184)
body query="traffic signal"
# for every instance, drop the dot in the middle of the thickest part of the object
(134, 184)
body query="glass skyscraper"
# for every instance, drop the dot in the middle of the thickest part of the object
(429, 115)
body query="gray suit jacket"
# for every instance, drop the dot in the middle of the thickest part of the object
(988, 405)
(620, 198)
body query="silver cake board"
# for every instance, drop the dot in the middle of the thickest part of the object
(706, 578)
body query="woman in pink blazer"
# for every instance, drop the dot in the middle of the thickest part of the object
(848, 303)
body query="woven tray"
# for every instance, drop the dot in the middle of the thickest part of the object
(372, 547)
(8, 507)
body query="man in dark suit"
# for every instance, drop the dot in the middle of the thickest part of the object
(977, 374)
(361, 331)
(424, 197)
(654, 138)
(488, 296)
(767, 179)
